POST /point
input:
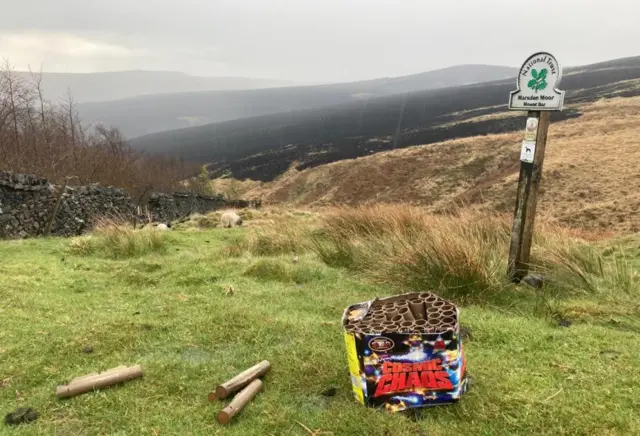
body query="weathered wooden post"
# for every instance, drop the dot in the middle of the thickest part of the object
(537, 93)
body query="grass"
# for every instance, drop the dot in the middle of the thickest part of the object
(118, 240)
(171, 312)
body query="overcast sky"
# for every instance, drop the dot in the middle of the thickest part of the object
(310, 40)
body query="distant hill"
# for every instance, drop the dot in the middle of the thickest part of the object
(262, 148)
(589, 175)
(154, 113)
(88, 87)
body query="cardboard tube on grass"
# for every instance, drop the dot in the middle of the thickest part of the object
(90, 382)
(239, 402)
(244, 378)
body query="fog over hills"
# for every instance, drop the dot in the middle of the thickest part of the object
(153, 113)
(261, 148)
(90, 87)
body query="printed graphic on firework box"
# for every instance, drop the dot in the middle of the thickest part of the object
(405, 351)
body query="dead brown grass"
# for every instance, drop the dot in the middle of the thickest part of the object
(590, 180)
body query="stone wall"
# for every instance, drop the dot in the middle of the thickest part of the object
(27, 204)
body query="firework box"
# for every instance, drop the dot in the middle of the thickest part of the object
(401, 359)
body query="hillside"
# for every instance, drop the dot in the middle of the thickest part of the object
(262, 148)
(154, 113)
(89, 87)
(590, 174)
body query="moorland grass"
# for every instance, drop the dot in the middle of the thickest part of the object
(169, 311)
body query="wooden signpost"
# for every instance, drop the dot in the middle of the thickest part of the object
(537, 93)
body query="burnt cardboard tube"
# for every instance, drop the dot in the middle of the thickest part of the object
(90, 382)
(239, 402)
(243, 379)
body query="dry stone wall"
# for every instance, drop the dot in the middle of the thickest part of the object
(27, 203)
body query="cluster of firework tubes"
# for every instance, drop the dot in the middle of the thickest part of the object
(419, 313)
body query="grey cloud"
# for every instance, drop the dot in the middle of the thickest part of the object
(329, 40)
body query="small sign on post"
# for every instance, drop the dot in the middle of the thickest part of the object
(537, 93)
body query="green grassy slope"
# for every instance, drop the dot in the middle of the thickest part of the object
(171, 312)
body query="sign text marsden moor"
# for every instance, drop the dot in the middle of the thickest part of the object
(537, 85)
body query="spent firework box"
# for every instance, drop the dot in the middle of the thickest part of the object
(405, 351)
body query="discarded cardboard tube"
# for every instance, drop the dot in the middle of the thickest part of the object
(240, 400)
(438, 304)
(90, 382)
(406, 314)
(448, 313)
(243, 379)
(425, 295)
(417, 308)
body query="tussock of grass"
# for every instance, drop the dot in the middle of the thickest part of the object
(269, 240)
(119, 240)
(462, 256)
(180, 320)
(282, 271)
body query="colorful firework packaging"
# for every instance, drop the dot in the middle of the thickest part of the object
(405, 351)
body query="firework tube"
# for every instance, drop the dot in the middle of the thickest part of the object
(243, 379)
(90, 382)
(421, 324)
(391, 313)
(407, 326)
(406, 314)
(417, 308)
(240, 400)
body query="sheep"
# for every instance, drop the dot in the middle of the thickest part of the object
(162, 226)
(230, 219)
